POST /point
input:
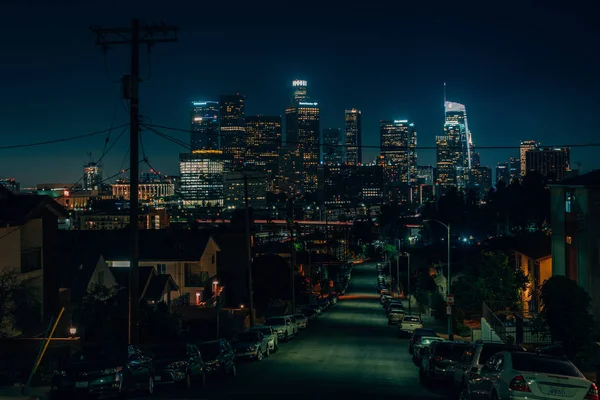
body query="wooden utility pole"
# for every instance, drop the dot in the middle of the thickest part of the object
(134, 36)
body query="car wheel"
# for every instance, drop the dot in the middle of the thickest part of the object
(494, 395)
(286, 338)
(464, 394)
(423, 377)
(187, 381)
(259, 355)
(150, 389)
(268, 352)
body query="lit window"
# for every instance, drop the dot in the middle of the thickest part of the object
(569, 239)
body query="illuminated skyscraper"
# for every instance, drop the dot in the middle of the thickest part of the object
(456, 129)
(550, 162)
(525, 146)
(353, 137)
(204, 134)
(333, 146)
(92, 176)
(263, 141)
(399, 149)
(202, 177)
(445, 163)
(233, 127)
(302, 119)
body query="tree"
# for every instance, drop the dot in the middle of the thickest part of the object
(490, 278)
(566, 312)
(17, 297)
(99, 316)
(270, 279)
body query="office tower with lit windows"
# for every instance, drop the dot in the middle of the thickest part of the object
(235, 188)
(333, 146)
(10, 184)
(204, 134)
(508, 170)
(92, 176)
(263, 142)
(481, 180)
(399, 150)
(302, 119)
(550, 162)
(353, 137)
(445, 162)
(233, 127)
(459, 141)
(201, 177)
(525, 146)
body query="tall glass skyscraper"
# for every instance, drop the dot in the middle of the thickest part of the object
(456, 129)
(233, 127)
(353, 137)
(204, 134)
(201, 175)
(303, 119)
(263, 141)
(333, 146)
(399, 150)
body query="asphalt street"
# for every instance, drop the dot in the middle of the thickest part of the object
(348, 352)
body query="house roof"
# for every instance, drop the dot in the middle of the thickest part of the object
(535, 246)
(589, 179)
(154, 245)
(122, 276)
(78, 266)
(158, 286)
(16, 209)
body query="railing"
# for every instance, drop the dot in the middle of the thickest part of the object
(495, 323)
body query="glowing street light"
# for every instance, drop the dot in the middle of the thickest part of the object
(72, 331)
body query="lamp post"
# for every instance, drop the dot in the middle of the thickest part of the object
(448, 286)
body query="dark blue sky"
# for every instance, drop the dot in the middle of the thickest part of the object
(524, 71)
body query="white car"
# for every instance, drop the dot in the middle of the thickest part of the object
(270, 334)
(409, 324)
(528, 375)
(283, 325)
(301, 321)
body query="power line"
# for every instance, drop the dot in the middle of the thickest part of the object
(379, 147)
(68, 139)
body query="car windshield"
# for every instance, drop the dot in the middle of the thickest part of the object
(265, 331)
(275, 321)
(489, 350)
(424, 332)
(248, 337)
(98, 356)
(169, 351)
(458, 351)
(210, 350)
(411, 319)
(429, 340)
(543, 364)
(443, 350)
(299, 316)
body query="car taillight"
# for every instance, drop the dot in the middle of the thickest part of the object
(592, 393)
(519, 384)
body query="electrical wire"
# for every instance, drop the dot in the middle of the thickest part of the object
(373, 146)
(149, 58)
(110, 79)
(67, 139)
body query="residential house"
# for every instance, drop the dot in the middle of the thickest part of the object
(189, 257)
(232, 267)
(534, 256)
(575, 219)
(28, 226)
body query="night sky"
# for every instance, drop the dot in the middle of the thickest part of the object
(524, 71)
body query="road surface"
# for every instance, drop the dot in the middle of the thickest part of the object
(348, 353)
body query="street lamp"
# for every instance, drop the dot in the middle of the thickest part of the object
(447, 226)
(73, 331)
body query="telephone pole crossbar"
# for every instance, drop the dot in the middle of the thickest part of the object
(134, 36)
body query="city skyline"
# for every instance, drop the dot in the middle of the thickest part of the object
(77, 93)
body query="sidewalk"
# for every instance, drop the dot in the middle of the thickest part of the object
(15, 392)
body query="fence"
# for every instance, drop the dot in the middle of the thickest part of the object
(495, 323)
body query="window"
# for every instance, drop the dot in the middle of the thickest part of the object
(213, 259)
(101, 277)
(569, 239)
(161, 269)
(569, 199)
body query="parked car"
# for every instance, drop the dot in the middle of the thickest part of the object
(251, 345)
(417, 335)
(395, 315)
(529, 375)
(178, 363)
(438, 365)
(301, 321)
(102, 371)
(270, 334)
(219, 358)
(310, 313)
(474, 359)
(409, 324)
(422, 345)
(283, 326)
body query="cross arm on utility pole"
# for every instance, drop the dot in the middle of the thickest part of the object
(148, 34)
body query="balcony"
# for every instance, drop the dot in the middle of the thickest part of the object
(195, 280)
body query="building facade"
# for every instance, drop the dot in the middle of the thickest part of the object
(353, 137)
(333, 146)
(399, 150)
(201, 175)
(263, 142)
(204, 134)
(525, 146)
(233, 127)
(550, 162)
(235, 182)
